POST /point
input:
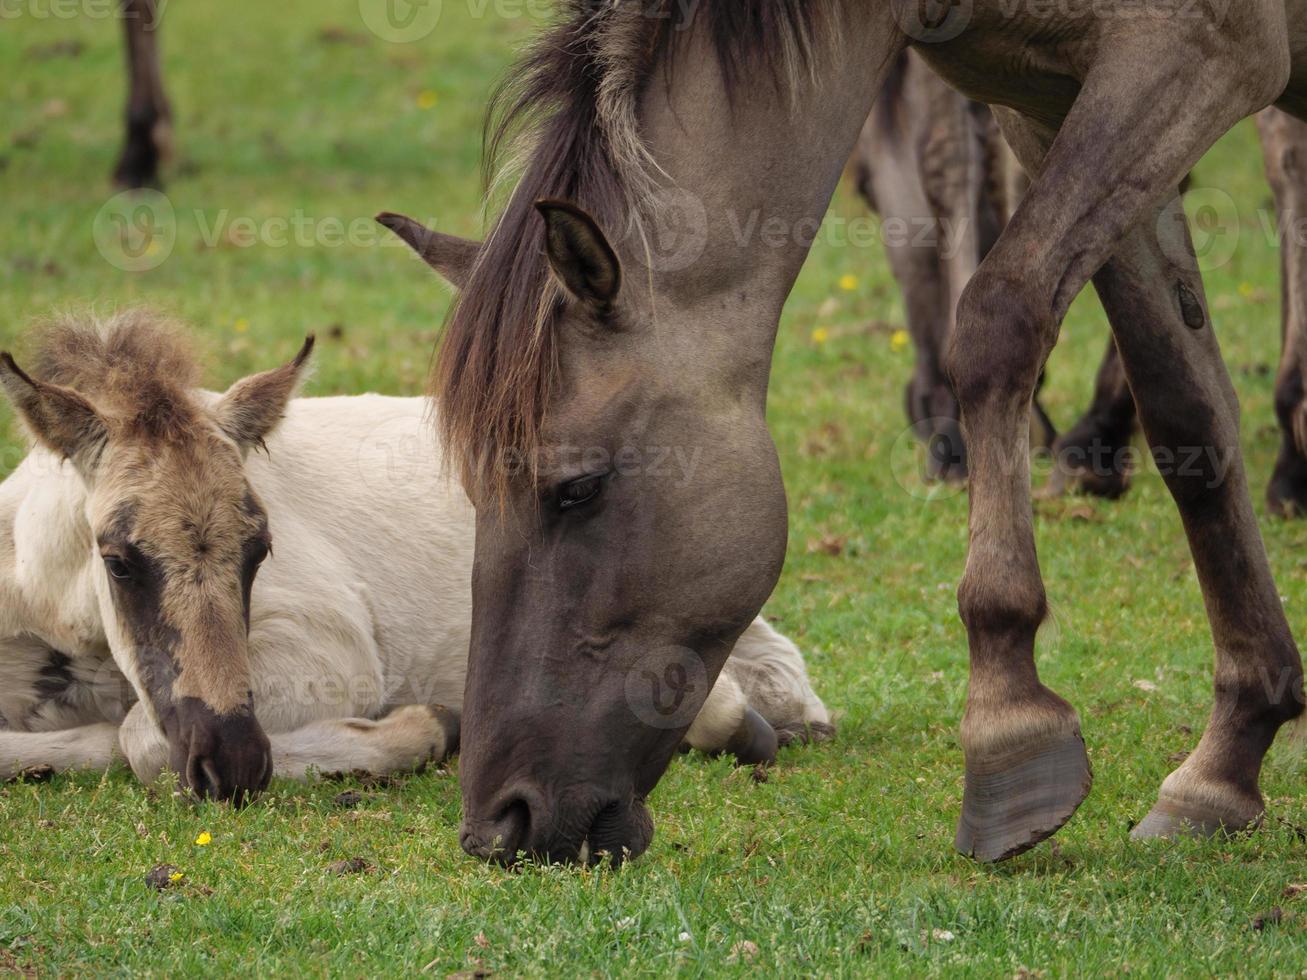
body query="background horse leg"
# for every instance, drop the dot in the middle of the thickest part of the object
(1284, 145)
(1190, 414)
(149, 117)
(890, 177)
(1147, 110)
(1093, 454)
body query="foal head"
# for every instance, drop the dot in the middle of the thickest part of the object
(175, 527)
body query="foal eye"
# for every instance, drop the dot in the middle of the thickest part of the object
(117, 568)
(579, 492)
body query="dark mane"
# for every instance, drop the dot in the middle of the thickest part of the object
(134, 366)
(574, 97)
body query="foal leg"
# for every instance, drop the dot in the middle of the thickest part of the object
(1145, 113)
(1284, 146)
(403, 740)
(1190, 414)
(1092, 456)
(92, 748)
(149, 117)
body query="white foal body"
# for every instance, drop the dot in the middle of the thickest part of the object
(359, 621)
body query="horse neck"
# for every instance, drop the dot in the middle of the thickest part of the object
(46, 587)
(763, 162)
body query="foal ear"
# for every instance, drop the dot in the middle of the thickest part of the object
(60, 419)
(579, 253)
(452, 257)
(252, 408)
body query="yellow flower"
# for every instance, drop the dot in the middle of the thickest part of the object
(176, 876)
(1246, 290)
(848, 283)
(427, 99)
(899, 340)
(241, 325)
(204, 840)
(820, 336)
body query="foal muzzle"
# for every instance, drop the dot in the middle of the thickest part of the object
(221, 757)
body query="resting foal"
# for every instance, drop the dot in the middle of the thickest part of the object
(129, 543)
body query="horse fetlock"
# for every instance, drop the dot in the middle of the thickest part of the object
(1027, 772)
(1196, 802)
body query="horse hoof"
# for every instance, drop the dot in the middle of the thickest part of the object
(1015, 799)
(1197, 811)
(754, 742)
(1286, 497)
(451, 724)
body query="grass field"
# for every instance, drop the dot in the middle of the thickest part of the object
(841, 862)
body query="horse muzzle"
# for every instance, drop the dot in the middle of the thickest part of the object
(223, 757)
(526, 825)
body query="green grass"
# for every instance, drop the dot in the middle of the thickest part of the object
(841, 863)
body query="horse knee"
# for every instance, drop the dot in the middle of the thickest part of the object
(143, 745)
(997, 351)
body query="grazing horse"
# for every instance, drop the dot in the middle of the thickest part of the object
(131, 620)
(621, 304)
(932, 164)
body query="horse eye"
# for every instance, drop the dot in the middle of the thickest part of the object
(117, 568)
(579, 492)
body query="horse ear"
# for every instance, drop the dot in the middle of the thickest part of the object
(579, 253)
(59, 418)
(252, 408)
(450, 256)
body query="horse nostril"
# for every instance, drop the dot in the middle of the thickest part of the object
(508, 834)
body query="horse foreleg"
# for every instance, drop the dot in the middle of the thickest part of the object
(1153, 295)
(149, 117)
(1093, 455)
(1284, 146)
(1146, 111)
(91, 748)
